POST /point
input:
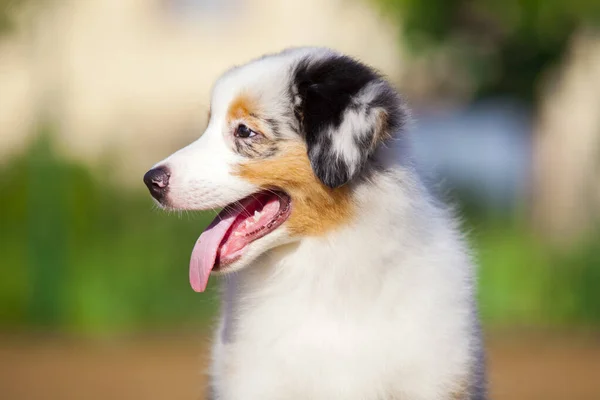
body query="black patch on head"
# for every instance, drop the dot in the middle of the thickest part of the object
(396, 111)
(323, 91)
(326, 88)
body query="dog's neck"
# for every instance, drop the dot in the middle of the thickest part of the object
(391, 206)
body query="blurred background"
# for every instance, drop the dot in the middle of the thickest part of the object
(94, 294)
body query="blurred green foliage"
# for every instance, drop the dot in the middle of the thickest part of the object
(523, 281)
(81, 253)
(506, 45)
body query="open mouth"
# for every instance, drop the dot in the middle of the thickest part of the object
(238, 225)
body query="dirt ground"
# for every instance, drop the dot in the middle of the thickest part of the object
(521, 367)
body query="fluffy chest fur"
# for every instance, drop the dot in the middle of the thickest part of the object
(378, 310)
(342, 278)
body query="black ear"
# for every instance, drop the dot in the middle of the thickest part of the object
(345, 110)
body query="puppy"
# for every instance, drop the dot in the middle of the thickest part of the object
(342, 277)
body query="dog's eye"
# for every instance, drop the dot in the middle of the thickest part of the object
(244, 132)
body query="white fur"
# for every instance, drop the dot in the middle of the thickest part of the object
(201, 176)
(359, 121)
(379, 309)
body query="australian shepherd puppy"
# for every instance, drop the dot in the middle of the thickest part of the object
(342, 277)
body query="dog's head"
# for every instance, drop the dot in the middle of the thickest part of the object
(287, 136)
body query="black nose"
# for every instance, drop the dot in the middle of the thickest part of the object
(157, 180)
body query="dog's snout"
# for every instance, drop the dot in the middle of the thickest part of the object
(157, 180)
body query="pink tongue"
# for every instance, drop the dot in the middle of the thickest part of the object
(205, 250)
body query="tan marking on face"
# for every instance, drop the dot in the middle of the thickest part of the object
(241, 107)
(316, 208)
(246, 110)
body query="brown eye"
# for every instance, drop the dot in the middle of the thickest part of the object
(244, 132)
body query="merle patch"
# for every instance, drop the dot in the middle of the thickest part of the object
(344, 109)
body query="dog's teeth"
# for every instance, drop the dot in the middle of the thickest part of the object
(256, 216)
(236, 233)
